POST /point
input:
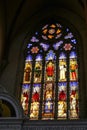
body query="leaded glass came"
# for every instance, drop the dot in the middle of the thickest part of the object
(50, 87)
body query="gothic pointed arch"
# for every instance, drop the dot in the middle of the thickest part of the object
(9, 106)
(50, 85)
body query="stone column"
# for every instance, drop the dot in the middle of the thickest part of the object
(85, 9)
(2, 29)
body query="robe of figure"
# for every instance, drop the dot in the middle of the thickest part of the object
(73, 68)
(50, 70)
(27, 72)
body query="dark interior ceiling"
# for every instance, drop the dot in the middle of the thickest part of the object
(18, 11)
(15, 13)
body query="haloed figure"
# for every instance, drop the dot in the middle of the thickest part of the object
(50, 70)
(27, 72)
(73, 69)
(62, 68)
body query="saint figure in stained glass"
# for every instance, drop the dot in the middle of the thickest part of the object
(37, 72)
(50, 70)
(50, 86)
(27, 72)
(74, 100)
(73, 69)
(62, 67)
(62, 100)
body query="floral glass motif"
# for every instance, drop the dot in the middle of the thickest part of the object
(51, 31)
(34, 49)
(67, 46)
(50, 86)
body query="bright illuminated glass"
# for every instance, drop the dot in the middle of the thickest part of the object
(50, 86)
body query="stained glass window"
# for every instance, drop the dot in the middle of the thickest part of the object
(50, 86)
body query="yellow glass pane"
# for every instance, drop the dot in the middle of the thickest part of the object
(45, 31)
(53, 26)
(50, 36)
(58, 31)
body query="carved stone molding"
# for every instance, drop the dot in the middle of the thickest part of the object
(13, 102)
(25, 124)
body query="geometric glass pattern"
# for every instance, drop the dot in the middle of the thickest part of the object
(50, 86)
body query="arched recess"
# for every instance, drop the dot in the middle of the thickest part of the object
(35, 45)
(9, 107)
(76, 26)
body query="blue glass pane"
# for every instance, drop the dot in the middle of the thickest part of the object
(67, 29)
(36, 33)
(74, 84)
(26, 87)
(50, 55)
(57, 45)
(34, 39)
(69, 35)
(62, 84)
(73, 54)
(62, 56)
(44, 46)
(74, 41)
(29, 58)
(36, 88)
(38, 57)
(29, 45)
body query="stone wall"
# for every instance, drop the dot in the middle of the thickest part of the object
(25, 124)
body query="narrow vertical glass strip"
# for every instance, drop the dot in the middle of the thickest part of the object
(48, 102)
(35, 102)
(74, 100)
(38, 72)
(38, 69)
(62, 87)
(25, 93)
(25, 97)
(50, 70)
(62, 70)
(50, 66)
(49, 87)
(62, 100)
(27, 70)
(74, 86)
(73, 67)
